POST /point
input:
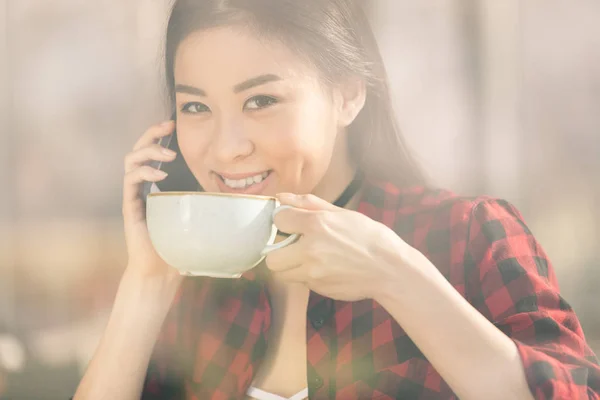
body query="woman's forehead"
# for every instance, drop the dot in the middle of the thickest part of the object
(236, 54)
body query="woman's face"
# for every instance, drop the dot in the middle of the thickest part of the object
(253, 118)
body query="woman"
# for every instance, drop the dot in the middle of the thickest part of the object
(395, 290)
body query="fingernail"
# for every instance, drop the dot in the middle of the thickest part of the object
(160, 174)
(166, 123)
(168, 152)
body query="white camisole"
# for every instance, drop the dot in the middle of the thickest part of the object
(259, 394)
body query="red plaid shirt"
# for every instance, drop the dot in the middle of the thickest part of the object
(216, 334)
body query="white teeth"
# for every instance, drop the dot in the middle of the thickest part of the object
(243, 183)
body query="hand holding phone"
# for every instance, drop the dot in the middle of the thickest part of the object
(148, 186)
(179, 178)
(139, 171)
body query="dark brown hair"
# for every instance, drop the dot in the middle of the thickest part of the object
(335, 37)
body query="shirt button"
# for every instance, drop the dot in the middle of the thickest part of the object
(317, 382)
(318, 322)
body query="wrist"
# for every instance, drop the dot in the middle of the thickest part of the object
(149, 291)
(139, 276)
(403, 265)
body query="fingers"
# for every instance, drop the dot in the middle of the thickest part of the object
(154, 133)
(303, 213)
(152, 152)
(131, 183)
(298, 220)
(302, 222)
(144, 173)
(137, 171)
(305, 201)
(288, 257)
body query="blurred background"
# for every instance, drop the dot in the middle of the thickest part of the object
(495, 97)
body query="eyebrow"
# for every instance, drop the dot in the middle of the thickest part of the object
(257, 81)
(240, 87)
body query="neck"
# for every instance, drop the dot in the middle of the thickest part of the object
(339, 175)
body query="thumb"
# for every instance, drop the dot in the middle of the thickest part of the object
(305, 201)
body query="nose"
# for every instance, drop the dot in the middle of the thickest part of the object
(230, 142)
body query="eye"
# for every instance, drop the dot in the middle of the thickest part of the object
(260, 102)
(194, 108)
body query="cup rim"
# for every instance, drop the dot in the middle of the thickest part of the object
(190, 193)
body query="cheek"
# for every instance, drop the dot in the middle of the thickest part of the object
(299, 133)
(192, 148)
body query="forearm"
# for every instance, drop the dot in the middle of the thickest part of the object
(119, 365)
(475, 358)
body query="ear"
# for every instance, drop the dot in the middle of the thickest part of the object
(353, 94)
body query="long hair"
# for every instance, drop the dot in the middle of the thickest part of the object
(335, 37)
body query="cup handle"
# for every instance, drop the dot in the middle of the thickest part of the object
(284, 243)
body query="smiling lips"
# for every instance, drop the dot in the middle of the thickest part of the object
(243, 184)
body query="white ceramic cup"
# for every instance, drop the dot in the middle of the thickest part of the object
(218, 235)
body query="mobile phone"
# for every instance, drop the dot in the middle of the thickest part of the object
(179, 178)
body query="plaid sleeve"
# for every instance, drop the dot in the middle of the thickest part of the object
(511, 281)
